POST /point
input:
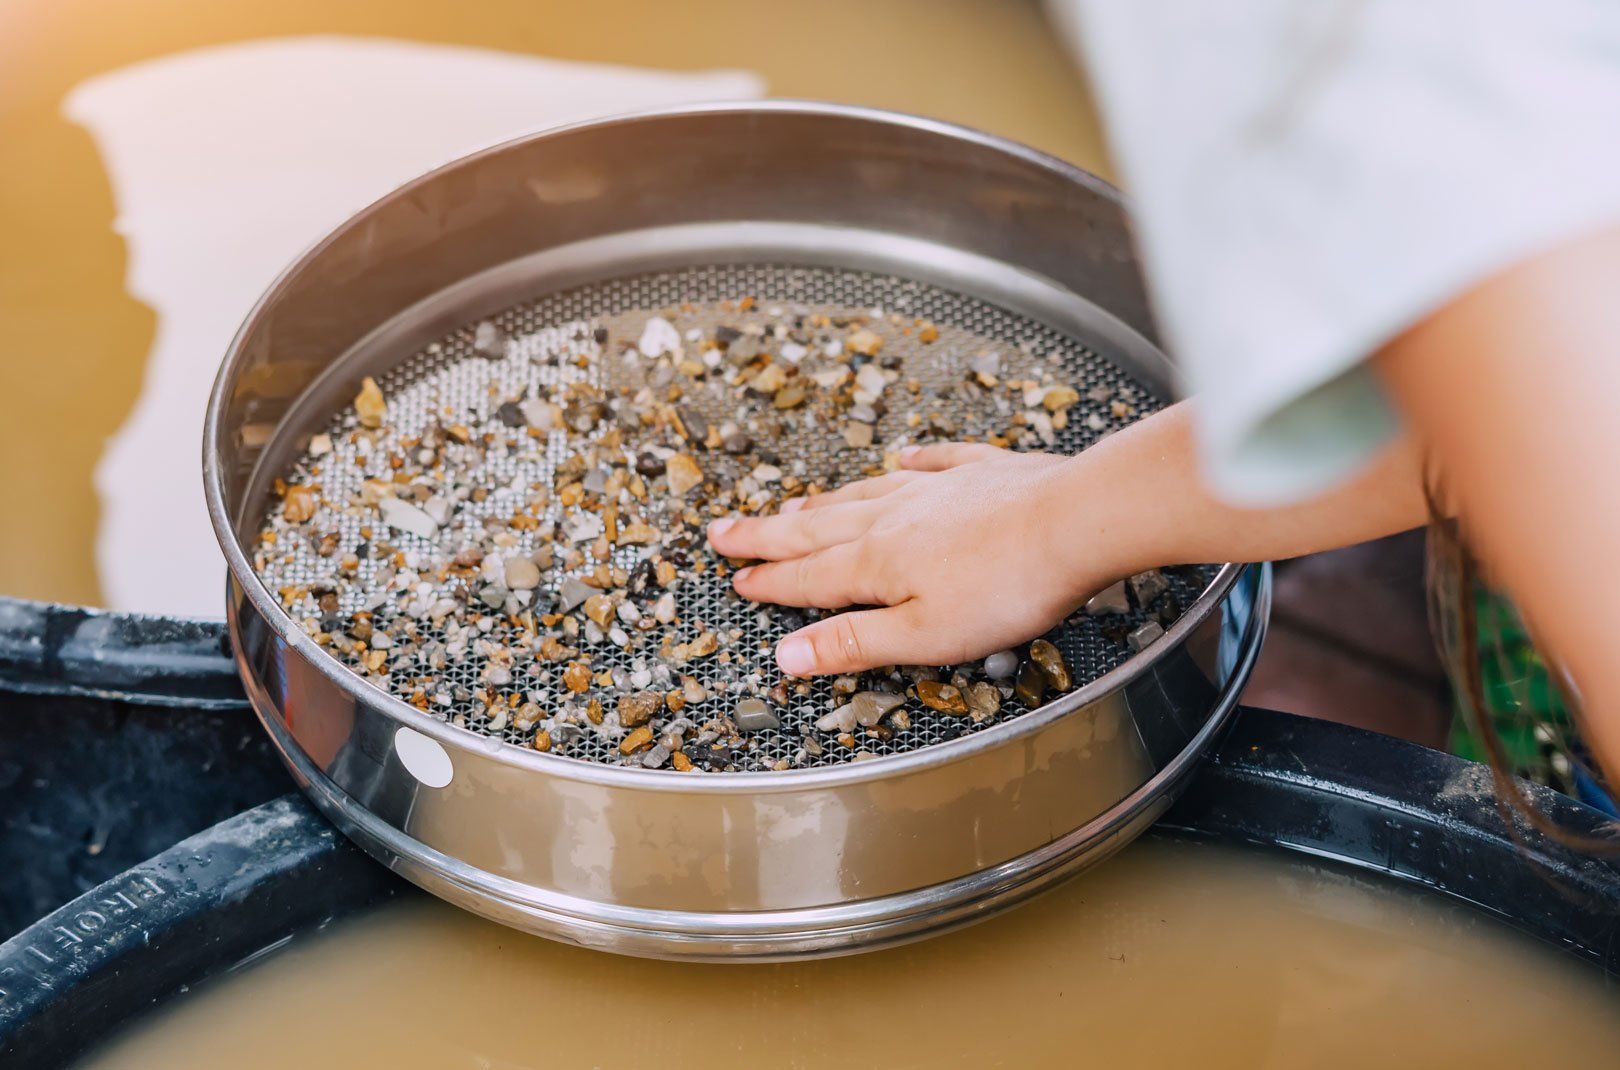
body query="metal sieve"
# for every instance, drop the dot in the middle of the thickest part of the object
(601, 225)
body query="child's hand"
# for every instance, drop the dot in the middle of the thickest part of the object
(967, 550)
(970, 549)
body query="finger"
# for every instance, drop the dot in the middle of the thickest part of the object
(854, 641)
(945, 455)
(793, 535)
(829, 579)
(859, 491)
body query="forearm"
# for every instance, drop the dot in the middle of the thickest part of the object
(1139, 494)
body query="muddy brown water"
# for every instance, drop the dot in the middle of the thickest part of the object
(1175, 954)
(988, 63)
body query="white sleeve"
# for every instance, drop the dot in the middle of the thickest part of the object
(1310, 177)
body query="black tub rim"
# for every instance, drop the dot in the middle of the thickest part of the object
(1354, 798)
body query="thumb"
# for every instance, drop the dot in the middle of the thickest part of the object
(850, 642)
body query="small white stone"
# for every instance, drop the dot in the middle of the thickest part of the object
(664, 608)
(538, 414)
(628, 612)
(619, 637)
(403, 516)
(658, 337)
(320, 445)
(871, 381)
(583, 527)
(793, 352)
(1001, 665)
(840, 720)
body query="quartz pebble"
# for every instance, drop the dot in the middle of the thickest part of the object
(1001, 665)
(658, 337)
(840, 720)
(870, 707)
(1111, 599)
(755, 715)
(489, 341)
(574, 593)
(403, 516)
(1144, 635)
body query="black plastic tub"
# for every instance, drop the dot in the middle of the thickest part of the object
(228, 894)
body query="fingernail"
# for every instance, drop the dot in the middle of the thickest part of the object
(792, 505)
(908, 452)
(720, 527)
(742, 574)
(795, 656)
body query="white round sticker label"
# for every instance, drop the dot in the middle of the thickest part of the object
(423, 757)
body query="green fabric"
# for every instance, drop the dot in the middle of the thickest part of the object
(1521, 700)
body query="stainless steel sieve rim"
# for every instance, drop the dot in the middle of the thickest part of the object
(749, 783)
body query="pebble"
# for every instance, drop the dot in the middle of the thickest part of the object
(864, 341)
(858, 436)
(1144, 636)
(300, 503)
(511, 414)
(664, 608)
(1051, 662)
(1001, 665)
(941, 696)
(840, 720)
(1031, 684)
(755, 715)
(870, 707)
(983, 701)
(1110, 600)
(638, 739)
(1148, 586)
(638, 707)
(658, 337)
(538, 414)
(574, 593)
(403, 516)
(489, 341)
(522, 574)
(683, 472)
(657, 757)
(369, 404)
(599, 608)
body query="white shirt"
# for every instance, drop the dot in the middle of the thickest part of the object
(1311, 177)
